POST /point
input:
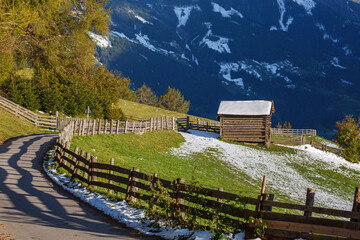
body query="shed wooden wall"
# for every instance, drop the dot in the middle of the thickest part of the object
(252, 129)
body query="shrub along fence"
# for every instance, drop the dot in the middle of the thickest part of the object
(215, 206)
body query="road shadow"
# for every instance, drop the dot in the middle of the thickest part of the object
(22, 181)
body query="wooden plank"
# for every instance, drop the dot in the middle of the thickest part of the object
(309, 220)
(81, 178)
(108, 186)
(260, 140)
(105, 166)
(309, 228)
(108, 176)
(68, 160)
(84, 169)
(326, 211)
(142, 176)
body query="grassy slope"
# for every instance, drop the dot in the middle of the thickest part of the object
(149, 152)
(146, 112)
(11, 126)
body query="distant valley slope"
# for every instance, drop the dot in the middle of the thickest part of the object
(303, 54)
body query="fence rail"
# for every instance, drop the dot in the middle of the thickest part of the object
(185, 124)
(293, 132)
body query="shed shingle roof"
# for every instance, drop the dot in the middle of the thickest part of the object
(251, 108)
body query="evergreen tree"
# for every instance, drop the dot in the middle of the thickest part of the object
(289, 125)
(145, 95)
(173, 100)
(285, 125)
(348, 137)
(278, 125)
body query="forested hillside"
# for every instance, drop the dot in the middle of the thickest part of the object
(47, 56)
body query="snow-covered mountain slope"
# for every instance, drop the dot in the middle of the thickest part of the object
(303, 54)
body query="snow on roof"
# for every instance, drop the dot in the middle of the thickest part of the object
(258, 107)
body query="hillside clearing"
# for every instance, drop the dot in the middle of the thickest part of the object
(236, 168)
(146, 112)
(11, 126)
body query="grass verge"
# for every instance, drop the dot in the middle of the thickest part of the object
(11, 126)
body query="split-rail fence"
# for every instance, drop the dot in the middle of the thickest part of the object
(28, 115)
(304, 221)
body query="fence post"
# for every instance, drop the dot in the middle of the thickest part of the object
(151, 124)
(99, 127)
(173, 123)
(106, 125)
(57, 152)
(83, 127)
(154, 186)
(111, 172)
(132, 189)
(88, 127)
(111, 126)
(310, 198)
(73, 167)
(87, 157)
(77, 171)
(93, 127)
(162, 123)
(117, 126)
(92, 170)
(187, 123)
(179, 196)
(67, 147)
(125, 128)
(198, 124)
(57, 120)
(219, 200)
(260, 197)
(356, 204)
(267, 197)
(133, 126)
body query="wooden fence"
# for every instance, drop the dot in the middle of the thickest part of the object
(28, 115)
(207, 203)
(88, 127)
(185, 124)
(293, 132)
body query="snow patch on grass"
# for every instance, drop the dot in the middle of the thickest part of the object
(289, 174)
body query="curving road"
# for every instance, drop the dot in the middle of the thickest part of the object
(31, 207)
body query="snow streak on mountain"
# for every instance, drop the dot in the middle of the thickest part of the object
(303, 54)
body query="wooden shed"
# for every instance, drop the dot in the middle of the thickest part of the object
(246, 121)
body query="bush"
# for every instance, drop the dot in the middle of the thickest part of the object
(348, 137)
(173, 100)
(114, 113)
